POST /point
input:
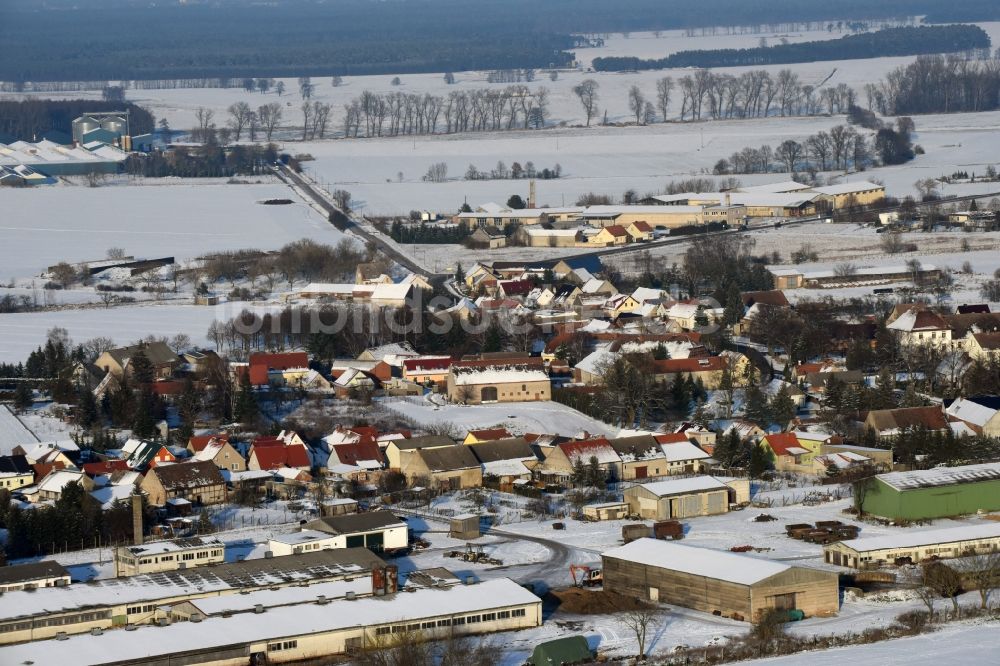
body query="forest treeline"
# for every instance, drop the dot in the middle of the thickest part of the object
(27, 120)
(937, 84)
(902, 41)
(233, 38)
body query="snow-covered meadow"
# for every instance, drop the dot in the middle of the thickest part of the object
(43, 226)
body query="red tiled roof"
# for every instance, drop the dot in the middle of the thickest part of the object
(262, 442)
(489, 434)
(276, 457)
(516, 286)
(167, 387)
(105, 467)
(617, 230)
(199, 442)
(691, 365)
(586, 448)
(260, 364)
(781, 442)
(642, 226)
(351, 452)
(671, 438)
(425, 364)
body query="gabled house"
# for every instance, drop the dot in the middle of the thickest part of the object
(141, 455)
(198, 482)
(515, 288)
(787, 454)
(271, 453)
(15, 472)
(487, 380)
(981, 413)
(197, 442)
(838, 463)
(639, 232)
(396, 449)
(51, 487)
(392, 354)
(353, 380)
(641, 456)
(363, 454)
(611, 235)
(683, 456)
(892, 422)
(919, 326)
(56, 454)
(486, 435)
(222, 453)
(451, 467)
(427, 369)
(285, 368)
(708, 369)
(162, 358)
(982, 346)
(506, 460)
(561, 459)
(488, 238)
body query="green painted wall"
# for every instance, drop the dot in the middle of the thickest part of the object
(939, 502)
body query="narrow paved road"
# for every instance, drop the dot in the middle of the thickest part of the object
(309, 189)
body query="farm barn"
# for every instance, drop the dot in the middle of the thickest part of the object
(933, 493)
(685, 498)
(914, 546)
(736, 586)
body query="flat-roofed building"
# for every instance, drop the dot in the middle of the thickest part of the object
(911, 546)
(157, 556)
(33, 575)
(103, 604)
(295, 633)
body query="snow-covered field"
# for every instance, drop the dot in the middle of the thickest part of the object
(43, 226)
(22, 333)
(517, 417)
(13, 431)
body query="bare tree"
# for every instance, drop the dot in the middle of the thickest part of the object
(64, 274)
(343, 200)
(983, 571)
(336, 81)
(279, 88)
(269, 115)
(586, 91)
(892, 242)
(640, 622)
(637, 103)
(846, 269)
(307, 117)
(664, 87)
(115, 253)
(789, 152)
(944, 581)
(239, 117)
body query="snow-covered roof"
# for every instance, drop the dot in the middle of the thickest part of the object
(971, 412)
(499, 374)
(391, 292)
(108, 495)
(57, 480)
(592, 286)
(596, 361)
(848, 188)
(149, 641)
(713, 564)
(783, 186)
(682, 310)
(176, 545)
(911, 539)
(615, 211)
(505, 468)
(647, 294)
(303, 536)
(327, 288)
(679, 451)
(678, 486)
(283, 596)
(941, 476)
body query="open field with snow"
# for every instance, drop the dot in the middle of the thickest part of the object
(21, 333)
(43, 226)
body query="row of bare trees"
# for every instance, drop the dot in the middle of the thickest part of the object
(396, 113)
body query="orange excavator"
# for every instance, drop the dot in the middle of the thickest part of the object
(588, 576)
